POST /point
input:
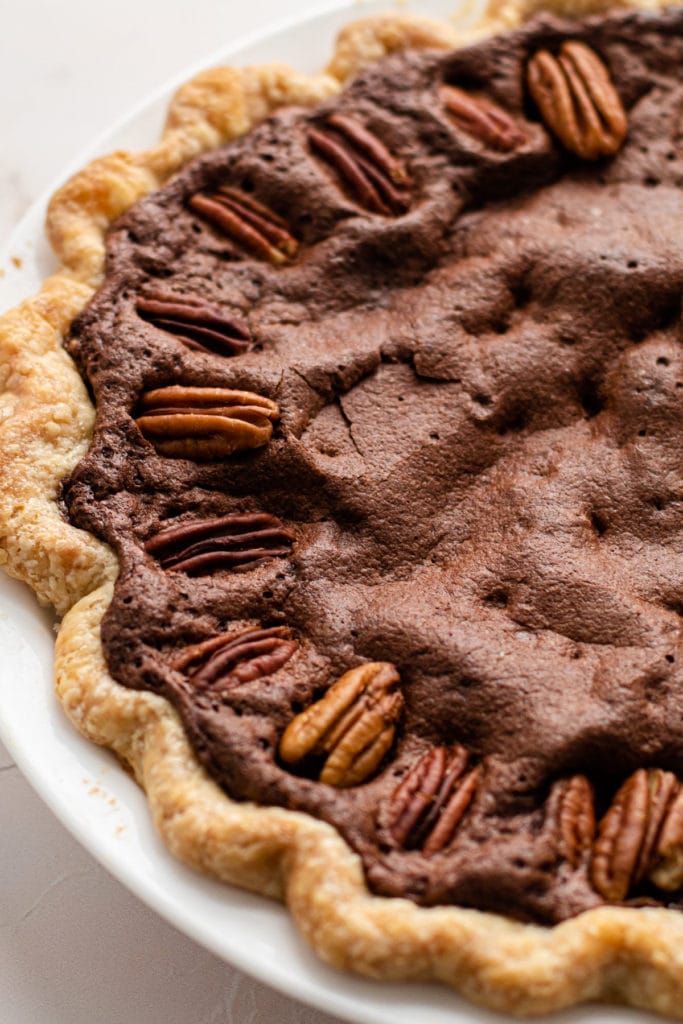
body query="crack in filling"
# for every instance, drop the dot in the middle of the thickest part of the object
(476, 476)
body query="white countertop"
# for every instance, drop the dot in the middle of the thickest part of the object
(75, 946)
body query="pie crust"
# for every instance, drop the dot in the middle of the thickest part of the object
(612, 954)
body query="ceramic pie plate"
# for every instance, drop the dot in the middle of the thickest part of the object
(83, 784)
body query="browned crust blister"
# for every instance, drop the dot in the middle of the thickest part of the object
(614, 954)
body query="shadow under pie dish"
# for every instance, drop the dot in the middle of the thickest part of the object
(385, 448)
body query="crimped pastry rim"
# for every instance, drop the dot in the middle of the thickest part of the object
(616, 954)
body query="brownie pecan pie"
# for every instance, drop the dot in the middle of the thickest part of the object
(369, 552)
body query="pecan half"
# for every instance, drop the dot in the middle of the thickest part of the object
(205, 423)
(248, 223)
(428, 805)
(666, 869)
(482, 119)
(577, 100)
(371, 174)
(571, 814)
(352, 726)
(234, 658)
(198, 324)
(629, 832)
(237, 541)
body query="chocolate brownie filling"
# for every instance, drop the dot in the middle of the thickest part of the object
(399, 381)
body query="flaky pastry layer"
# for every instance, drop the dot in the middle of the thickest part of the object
(613, 954)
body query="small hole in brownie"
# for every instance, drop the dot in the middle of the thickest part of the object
(589, 397)
(567, 339)
(497, 599)
(354, 632)
(662, 361)
(434, 436)
(127, 600)
(670, 658)
(500, 326)
(267, 594)
(666, 314)
(521, 294)
(401, 398)
(237, 712)
(651, 181)
(267, 157)
(671, 156)
(197, 228)
(632, 264)
(482, 399)
(466, 683)
(263, 743)
(598, 522)
(246, 184)
(516, 422)
(642, 433)
(576, 654)
(657, 502)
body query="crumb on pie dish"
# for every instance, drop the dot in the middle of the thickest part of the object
(347, 444)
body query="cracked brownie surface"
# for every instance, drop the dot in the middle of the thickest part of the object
(414, 405)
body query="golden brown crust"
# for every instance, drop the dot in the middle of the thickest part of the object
(625, 955)
(44, 430)
(370, 39)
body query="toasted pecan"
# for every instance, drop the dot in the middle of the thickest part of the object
(352, 726)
